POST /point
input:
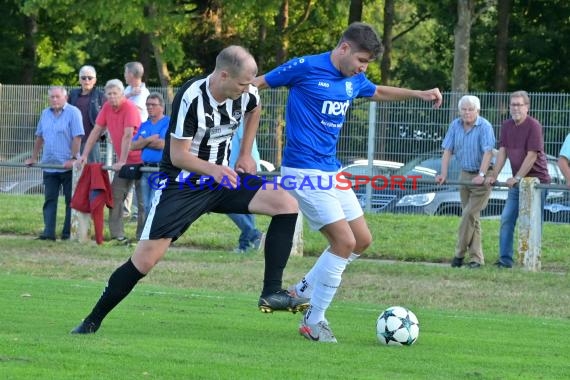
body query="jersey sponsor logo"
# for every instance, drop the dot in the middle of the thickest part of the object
(349, 89)
(324, 84)
(335, 108)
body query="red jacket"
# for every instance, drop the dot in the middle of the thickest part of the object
(92, 194)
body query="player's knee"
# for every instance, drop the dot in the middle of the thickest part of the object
(363, 243)
(343, 247)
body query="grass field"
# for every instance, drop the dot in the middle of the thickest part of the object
(195, 316)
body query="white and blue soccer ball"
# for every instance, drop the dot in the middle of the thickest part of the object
(397, 326)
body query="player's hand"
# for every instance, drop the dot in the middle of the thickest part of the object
(225, 176)
(433, 95)
(246, 164)
(29, 162)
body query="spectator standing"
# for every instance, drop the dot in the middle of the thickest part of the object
(122, 119)
(471, 139)
(136, 90)
(59, 133)
(150, 140)
(137, 93)
(521, 141)
(250, 236)
(89, 100)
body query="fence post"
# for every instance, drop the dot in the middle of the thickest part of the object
(530, 224)
(79, 221)
(297, 249)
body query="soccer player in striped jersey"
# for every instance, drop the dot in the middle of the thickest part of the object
(194, 179)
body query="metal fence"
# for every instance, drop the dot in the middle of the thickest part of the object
(395, 133)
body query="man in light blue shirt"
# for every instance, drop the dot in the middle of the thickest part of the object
(59, 133)
(471, 139)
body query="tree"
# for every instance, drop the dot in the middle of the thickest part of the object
(355, 11)
(462, 34)
(501, 61)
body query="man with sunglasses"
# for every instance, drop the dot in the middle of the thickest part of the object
(89, 100)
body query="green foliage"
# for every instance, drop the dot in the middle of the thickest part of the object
(189, 34)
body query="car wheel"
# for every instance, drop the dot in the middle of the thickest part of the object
(449, 210)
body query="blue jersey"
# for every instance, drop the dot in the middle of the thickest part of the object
(319, 96)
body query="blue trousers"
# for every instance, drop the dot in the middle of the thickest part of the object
(246, 224)
(509, 218)
(53, 181)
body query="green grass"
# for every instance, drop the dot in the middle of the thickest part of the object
(195, 316)
(396, 236)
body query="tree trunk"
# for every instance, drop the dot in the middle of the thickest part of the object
(29, 55)
(501, 61)
(462, 33)
(385, 65)
(355, 11)
(282, 22)
(385, 70)
(145, 48)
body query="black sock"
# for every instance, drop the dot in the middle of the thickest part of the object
(278, 243)
(120, 284)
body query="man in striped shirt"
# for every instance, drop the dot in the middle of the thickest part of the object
(59, 133)
(194, 179)
(471, 139)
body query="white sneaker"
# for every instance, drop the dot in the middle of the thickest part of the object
(321, 332)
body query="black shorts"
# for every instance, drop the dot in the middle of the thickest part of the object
(179, 205)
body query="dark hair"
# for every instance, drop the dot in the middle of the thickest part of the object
(362, 37)
(158, 96)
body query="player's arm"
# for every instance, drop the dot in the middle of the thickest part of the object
(389, 93)
(245, 162)
(182, 158)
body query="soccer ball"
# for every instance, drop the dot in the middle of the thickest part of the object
(397, 326)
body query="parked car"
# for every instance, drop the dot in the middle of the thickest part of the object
(21, 180)
(432, 199)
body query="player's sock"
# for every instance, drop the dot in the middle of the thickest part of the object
(278, 244)
(328, 278)
(353, 256)
(120, 284)
(304, 288)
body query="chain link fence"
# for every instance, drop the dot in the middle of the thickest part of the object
(401, 137)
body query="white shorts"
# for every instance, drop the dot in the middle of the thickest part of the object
(320, 200)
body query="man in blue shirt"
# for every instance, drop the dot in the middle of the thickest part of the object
(150, 139)
(321, 88)
(59, 133)
(471, 139)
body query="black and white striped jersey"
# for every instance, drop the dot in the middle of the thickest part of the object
(196, 115)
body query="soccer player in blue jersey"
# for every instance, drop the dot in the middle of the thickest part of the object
(321, 88)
